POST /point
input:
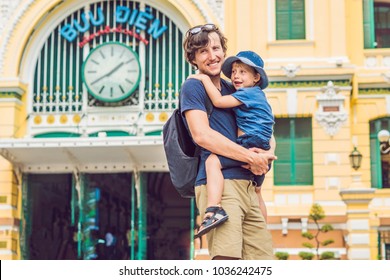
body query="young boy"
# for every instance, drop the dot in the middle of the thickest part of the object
(254, 120)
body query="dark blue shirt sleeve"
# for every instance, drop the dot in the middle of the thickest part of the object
(192, 96)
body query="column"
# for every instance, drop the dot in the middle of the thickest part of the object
(359, 226)
(12, 125)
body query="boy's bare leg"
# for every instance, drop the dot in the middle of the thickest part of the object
(215, 215)
(214, 181)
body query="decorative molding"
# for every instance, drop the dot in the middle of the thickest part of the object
(7, 7)
(386, 76)
(6, 34)
(291, 70)
(331, 113)
(386, 61)
(374, 90)
(13, 95)
(218, 8)
(307, 84)
(201, 10)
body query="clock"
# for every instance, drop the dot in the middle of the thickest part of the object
(111, 72)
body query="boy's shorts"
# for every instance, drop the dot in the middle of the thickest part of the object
(244, 235)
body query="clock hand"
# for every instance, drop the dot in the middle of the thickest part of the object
(98, 79)
(109, 73)
(115, 69)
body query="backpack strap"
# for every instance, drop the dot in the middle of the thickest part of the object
(209, 106)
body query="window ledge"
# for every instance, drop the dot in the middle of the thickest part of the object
(293, 188)
(291, 43)
(370, 52)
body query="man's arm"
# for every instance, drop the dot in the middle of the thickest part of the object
(216, 143)
(218, 100)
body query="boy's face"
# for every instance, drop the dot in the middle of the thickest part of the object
(244, 75)
(209, 59)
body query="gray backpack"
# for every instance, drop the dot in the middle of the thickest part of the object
(181, 152)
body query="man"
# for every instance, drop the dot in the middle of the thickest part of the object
(244, 235)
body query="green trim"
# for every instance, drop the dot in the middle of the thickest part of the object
(113, 133)
(25, 220)
(80, 224)
(10, 95)
(154, 133)
(142, 217)
(73, 202)
(369, 24)
(132, 222)
(375, 162)
(57, 135)
(374, 90)
(307, 84)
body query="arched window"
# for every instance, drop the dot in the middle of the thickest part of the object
(58, 88)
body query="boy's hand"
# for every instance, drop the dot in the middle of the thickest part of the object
(258, 150)
(200, 77)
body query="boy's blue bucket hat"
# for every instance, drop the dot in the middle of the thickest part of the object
(249, 58)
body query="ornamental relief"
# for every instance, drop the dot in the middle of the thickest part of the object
(331, 113)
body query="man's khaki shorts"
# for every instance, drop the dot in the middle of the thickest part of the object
(244, 235)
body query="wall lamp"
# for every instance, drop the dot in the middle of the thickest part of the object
(384, 139)
(355, 159)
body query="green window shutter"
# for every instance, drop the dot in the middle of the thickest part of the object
(303, 152)
(282, 19)
(303, 161)
(290, 19)
(368, 24)
(282, 167)
(294, 150)
(376, 180)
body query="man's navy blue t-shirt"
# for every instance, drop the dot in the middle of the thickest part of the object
(193, 97)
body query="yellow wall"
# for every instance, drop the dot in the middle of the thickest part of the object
(336, 32)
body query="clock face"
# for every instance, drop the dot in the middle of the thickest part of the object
(111, 72)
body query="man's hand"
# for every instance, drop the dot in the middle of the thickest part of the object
(262, 159)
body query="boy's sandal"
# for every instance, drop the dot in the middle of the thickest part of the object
(212, 221)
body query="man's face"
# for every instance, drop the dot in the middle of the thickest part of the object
(209, 59)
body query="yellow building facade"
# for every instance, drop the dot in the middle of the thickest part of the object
(77, 161)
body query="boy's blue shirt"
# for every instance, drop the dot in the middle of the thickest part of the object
(254, 116)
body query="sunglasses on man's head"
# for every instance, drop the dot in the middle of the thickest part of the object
(199, 28)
